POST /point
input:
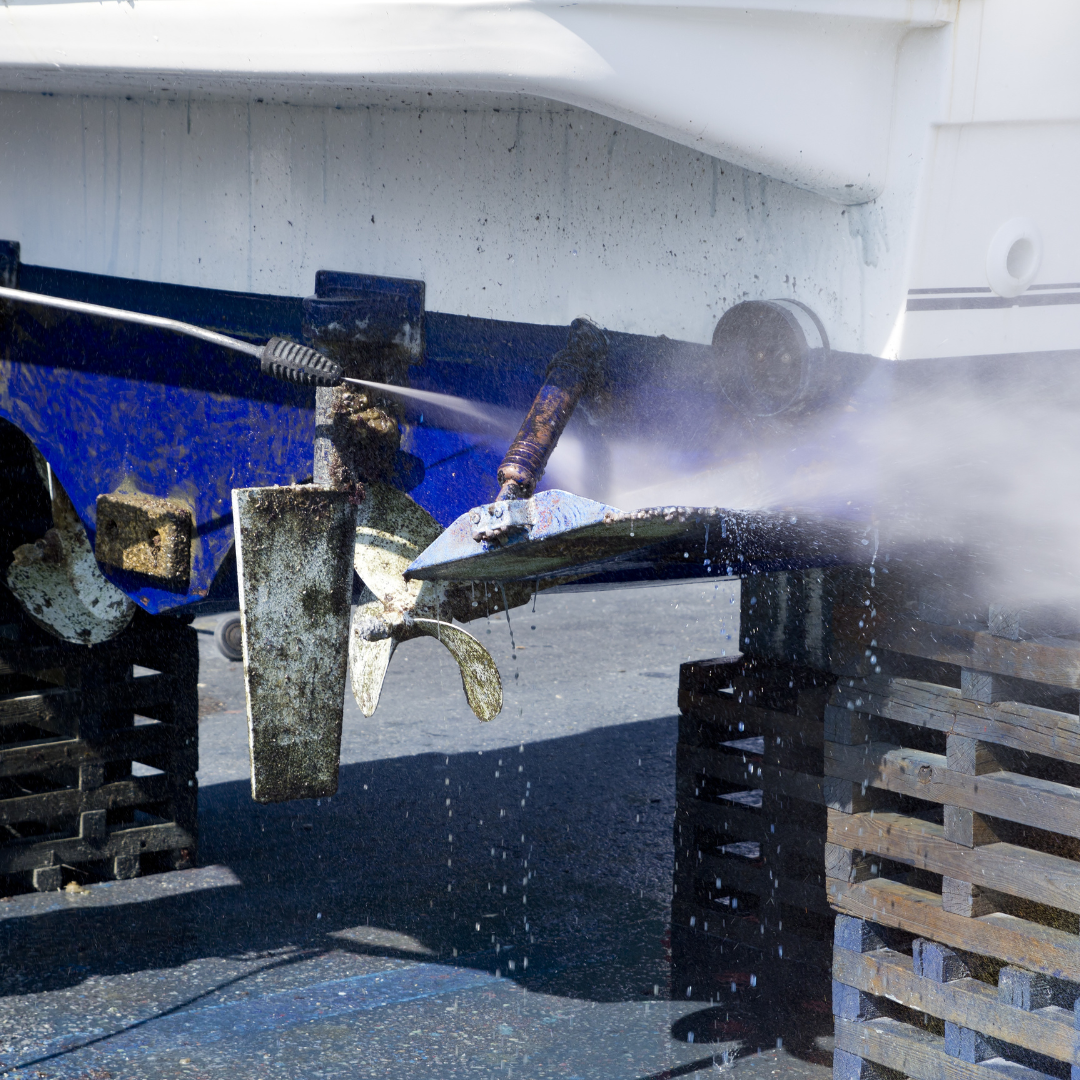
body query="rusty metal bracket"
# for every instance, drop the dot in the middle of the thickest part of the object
(500, 521)
(373, 329)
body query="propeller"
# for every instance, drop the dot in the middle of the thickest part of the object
(391, 531)
(297, 548)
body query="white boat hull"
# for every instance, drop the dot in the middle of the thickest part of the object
(647, 165)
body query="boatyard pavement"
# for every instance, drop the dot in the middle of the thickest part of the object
(477, 900)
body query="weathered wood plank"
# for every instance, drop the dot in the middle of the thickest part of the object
(57, 709)
(27, 855)
(739, 876)
(746, 824)
(710, 676)
(941, 708)
(21, 660)
(172, 650)
(972, 756)
(848, 864)
(968, 828)
(967, 1002)
(775, 944)
(730, 767)
(730, 820)
(790, 688)
(706, 963)
(139, 743)
(70, 802)
(1016, 941)
(54, 710)
(29, 703)
(790, 752)
(1050, 660)
(852, 728)
(1008, 868)
(147, 695)
(727, 715)
(966, 898)
(914, 1053)
(1027, 800)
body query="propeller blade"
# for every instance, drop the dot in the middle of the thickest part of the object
(368, 658)
(391, 531)
(479, 674)
(294, 550)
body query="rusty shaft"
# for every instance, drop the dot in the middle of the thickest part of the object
(569, 375)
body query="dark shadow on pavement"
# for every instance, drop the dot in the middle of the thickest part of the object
(559, 852)
(547, 863)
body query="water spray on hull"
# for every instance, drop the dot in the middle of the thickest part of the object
(558, 538)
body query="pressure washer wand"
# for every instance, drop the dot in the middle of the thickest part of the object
(278, 357)
(569, 375)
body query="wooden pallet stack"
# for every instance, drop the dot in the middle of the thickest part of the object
(952, 761)
(749, 910)
(73, 723)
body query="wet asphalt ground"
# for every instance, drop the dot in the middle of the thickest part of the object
(477, 900)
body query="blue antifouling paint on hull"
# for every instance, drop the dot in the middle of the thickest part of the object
(118, 406)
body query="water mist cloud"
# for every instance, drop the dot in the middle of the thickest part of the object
(951, 461)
